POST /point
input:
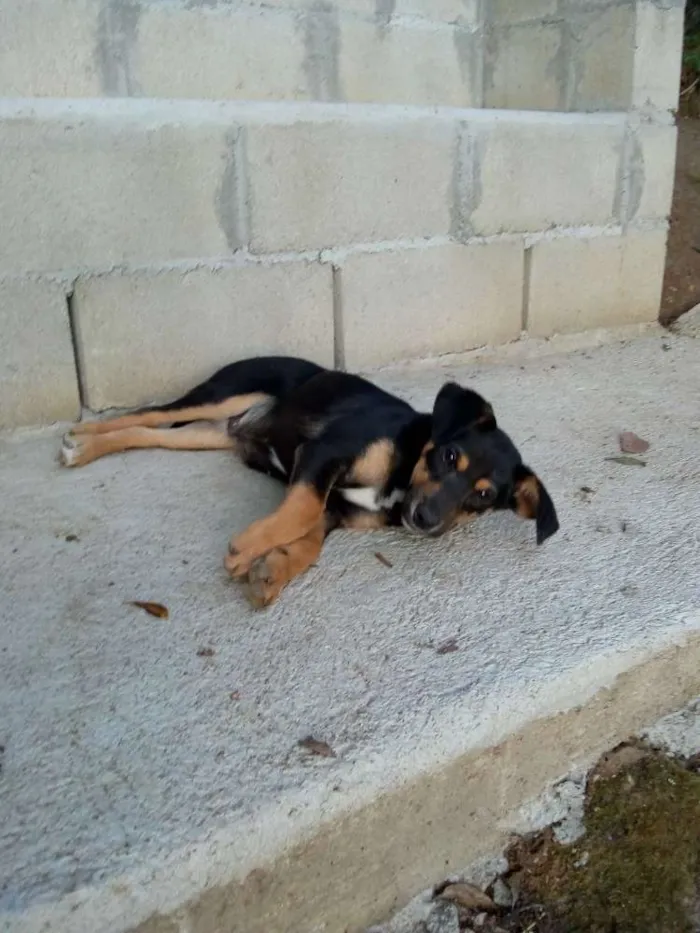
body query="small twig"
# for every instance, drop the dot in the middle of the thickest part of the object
(691, 87)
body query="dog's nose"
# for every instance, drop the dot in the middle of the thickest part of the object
(424, 516)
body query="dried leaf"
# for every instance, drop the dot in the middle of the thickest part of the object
(235, 695)
(153, 609)
(383, 560)
(468, 895)
(316, 747)
(631, 443)
(448, 647)
(205, 652)
(627, 461)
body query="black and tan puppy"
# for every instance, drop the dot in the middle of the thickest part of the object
(352, 456)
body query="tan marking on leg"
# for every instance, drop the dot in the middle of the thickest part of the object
(463, 518)
(229, 408)
(421, 474)
(365, 521)
(527, 497)
(302, 508)
(372, 468)
(78, 451)
(270, 573)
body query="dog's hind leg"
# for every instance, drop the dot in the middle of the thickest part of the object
(78, 450)
(229, 392)
(153, 418)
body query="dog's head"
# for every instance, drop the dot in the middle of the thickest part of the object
(469, 467)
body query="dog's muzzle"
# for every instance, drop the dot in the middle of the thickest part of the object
(422, 517)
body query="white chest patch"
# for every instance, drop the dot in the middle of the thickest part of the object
(275, 461)
(369, 498)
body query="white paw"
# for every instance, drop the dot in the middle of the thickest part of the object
(71, 449)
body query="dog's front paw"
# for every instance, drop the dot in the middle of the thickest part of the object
(267, 577)
(238, 560)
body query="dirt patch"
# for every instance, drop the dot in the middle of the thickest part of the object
(681, 289)
(636, 869)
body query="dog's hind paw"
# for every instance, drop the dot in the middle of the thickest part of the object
(73, 451)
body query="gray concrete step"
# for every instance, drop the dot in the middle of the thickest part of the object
(149, 784)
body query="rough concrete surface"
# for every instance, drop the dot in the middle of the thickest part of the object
(689, 323)
(145, 777)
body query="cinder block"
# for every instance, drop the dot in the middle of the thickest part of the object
(539, 174)
(320, 184)
(420, 302)
(409, 64)
(577, 284)
(154, 335)
(48, 49)
(80, 191)
(382, 11)
(38, 378)
(604, 59)
(219, 52)
(519, 11)
(523, 68)
(657, 148)
(657, 59)
(463, 12)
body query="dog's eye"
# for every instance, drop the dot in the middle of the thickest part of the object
(450, 457)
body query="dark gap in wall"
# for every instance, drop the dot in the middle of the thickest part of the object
(73, 324)
(525, 322)
(338, 336)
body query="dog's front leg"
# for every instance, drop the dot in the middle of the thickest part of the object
(301, 511)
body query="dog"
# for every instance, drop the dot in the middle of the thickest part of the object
(352, 456)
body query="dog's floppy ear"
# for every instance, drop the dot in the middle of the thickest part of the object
(457, 408)
(531, 500)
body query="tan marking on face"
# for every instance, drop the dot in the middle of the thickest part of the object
(421, 475)
(463, 518)
(365, 521)
(463, 463)
(527, 497)
(483, 485)
(372, 468)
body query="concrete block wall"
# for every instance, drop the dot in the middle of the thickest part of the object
(149, 242)
(146, 241)
(578, 55)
